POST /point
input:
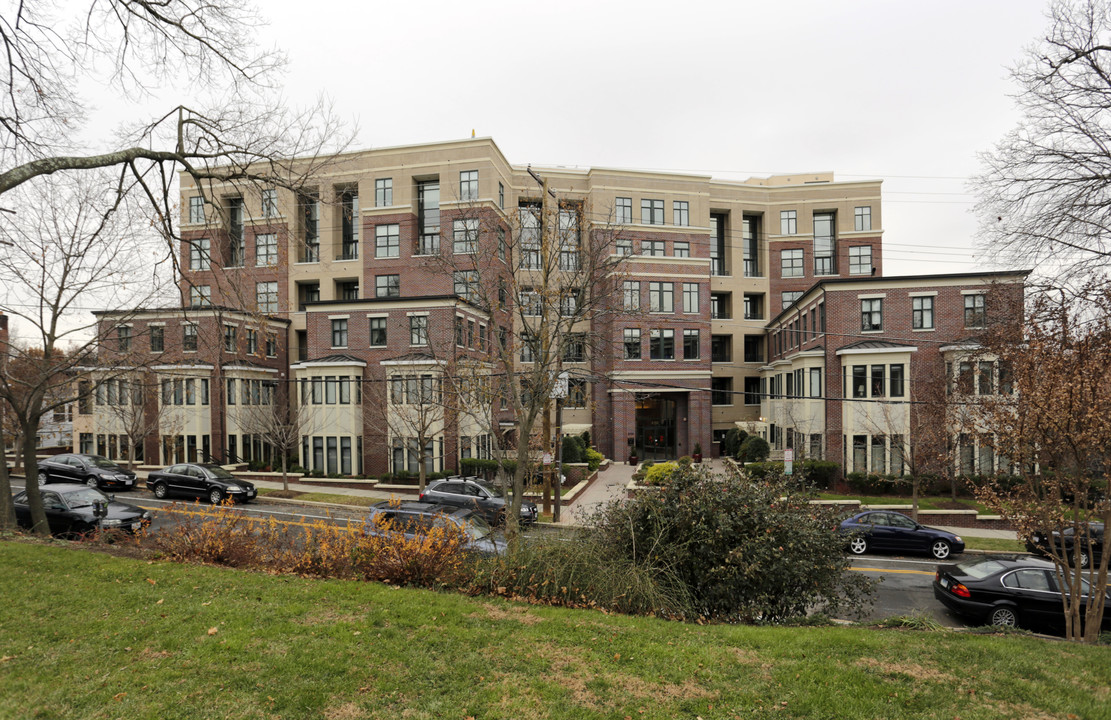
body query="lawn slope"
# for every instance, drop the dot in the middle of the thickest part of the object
(88, 635)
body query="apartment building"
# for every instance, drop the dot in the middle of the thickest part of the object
(350, 272)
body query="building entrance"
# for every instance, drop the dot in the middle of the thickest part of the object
(655, 423)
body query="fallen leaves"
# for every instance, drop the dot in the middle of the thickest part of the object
(213, 630)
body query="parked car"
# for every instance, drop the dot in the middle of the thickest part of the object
(1005, 590)
(885, 530)
(73, 509)
(1091, 544)
(416, 518)
(473, 493)
(200, 480)
(92, 470)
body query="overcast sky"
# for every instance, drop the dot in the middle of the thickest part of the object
(905, 92)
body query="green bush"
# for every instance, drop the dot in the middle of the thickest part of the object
(761, 470)
(753, 449)
(586, 438)
(755, 552)
(732, 443)
(573, 449)
(482, 467)
(820, 474)
(593, 459)
(661, 473)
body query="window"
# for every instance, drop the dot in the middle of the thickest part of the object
(632, 343)
(922, 313)
(383, 192)
(788, 222)
(189, 338)
(231, 338)
(569, 238)
(717, 245)
(815, 382)
(428, 217)
(879, 455)
(339, 333)
(574, 350)
(754, 348)
(682, 249)
(750, 238)
(270, 203)
(123, 338)
(252, 342)
(897, 462)
(652, 212)
(860, 260)
(377, 332)
(860, 453)
(792, 263)
(418, 329)
(200, 296)
(348, 289)
(266, 249)
(624, 246)
(681, 213)
(157, 338)
(349, 224)
(897, 381)
(985, 383)
(824, 244)
(271, 346)
(720, 306)
(468, 185)
(692, 344)
(465, 238)
(661, 297)
(973, 311)
(530, 302)
(266, 296)
(721, 391)
(623, 211)
(860, 381)
(721, 348)
(632, 295)
(754, 307)
(790, 297)
(235, 232)
(465, 285)
(752, 391)
(863, 218)
(569, 302)
(387, 286)
(196, 210)
(576, 393)
(501, 196)
(878, 381)
(690, 297)
(655, 248)
(871, 315)
(199, 258)
(528, 349)
(309, 215)
(387, 241)
(661, 344)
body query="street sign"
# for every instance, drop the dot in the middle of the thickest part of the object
(559, 388)
(788, 460)
(547, 460)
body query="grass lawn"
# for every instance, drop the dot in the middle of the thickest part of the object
(88, 635)
(993, 544)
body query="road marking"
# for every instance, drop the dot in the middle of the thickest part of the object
(891, 570)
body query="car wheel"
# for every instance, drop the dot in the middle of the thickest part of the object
(92, 481)
(858, 546)
(43, 477)
(1084, 561)
(940, 549)
(215, 496)
(160, 491)
(1004, 616)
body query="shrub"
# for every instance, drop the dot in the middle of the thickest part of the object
(757, 552)
(659, 474)
(753, 449)
(573, 449)
(761, 470)
(593, 459)
(820, 474)
(732, 443)
(586, 438)
(482, 467)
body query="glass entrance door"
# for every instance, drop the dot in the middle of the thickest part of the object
(655, 423)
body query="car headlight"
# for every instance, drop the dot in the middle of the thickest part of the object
(113, 522)
(234, 488)
(958, 538)
(146, 515)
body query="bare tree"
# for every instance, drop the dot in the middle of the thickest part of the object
(278, 424)
(1044, 197)
(1050, 425)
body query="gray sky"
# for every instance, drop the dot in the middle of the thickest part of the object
(906, 92)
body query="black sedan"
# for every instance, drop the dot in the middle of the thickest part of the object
(200, 480)
(472, 493)
(1005, 590)
(92, 470)
(886, 530)
(1091, 543)
(73, 510)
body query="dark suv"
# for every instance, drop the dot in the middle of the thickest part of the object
(473, 493)
(417, 518)
(92, 470)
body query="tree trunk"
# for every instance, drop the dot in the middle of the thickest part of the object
(7, 510)
(285, 472)
(914, 498)
(39, 526)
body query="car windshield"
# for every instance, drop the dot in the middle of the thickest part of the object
(103, 463)
(477, 528)
(980, 568)
(218, 472)
(490, 488)
(84, 497)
